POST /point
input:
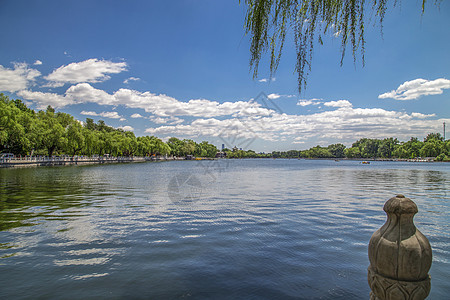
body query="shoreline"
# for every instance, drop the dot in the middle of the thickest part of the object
(71, 161)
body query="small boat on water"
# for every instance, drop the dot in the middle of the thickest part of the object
(365, 162)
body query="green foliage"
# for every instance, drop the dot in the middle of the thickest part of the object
(442, 157)
(433, 136)
(388, 148)
(337, 150)
(268, 23)
(23, 131)
(189, 147)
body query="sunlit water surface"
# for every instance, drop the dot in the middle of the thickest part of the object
(248, 229)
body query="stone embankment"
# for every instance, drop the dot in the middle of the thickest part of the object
(31, 161)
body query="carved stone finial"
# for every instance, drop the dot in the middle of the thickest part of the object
(400, 255)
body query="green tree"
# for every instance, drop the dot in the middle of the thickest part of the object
(337, 150)
(387, 147)
(51, 132)
(175, 144)
(353, 152)
(91, 142)
(432, 148)
(409, 149)
(89, 124)
(268, 22)
(433, 136)
(75, 138)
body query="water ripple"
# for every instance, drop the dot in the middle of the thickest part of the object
(260, 229)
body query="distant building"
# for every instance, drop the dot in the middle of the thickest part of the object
(221, 154)
(223, 146)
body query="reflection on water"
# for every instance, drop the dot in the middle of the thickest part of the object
(258, 229)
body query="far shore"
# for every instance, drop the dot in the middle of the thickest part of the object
(36, 161)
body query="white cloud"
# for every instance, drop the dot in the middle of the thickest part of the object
(105, 114)
(42, 100)
(37, 62)
(19, 78)
(160, 105)
(339, 103)
(276, 96)
(110, 114)
(89, 113)
(418, 87)
(126, 128)
(169, 120)
(305, 102)
(91, 70)
(267, 79)
(273, 96)
(421, 116)
(126, 81)
(245, 119)
(84, 93)
(163, 105)
(299, 140)
(345, 124)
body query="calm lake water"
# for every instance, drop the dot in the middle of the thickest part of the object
(247, 229)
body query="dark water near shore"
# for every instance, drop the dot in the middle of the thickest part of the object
(247, 229)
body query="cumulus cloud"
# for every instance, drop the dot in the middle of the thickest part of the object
(421, 116)
(413, 89)
(339, 103)
(299, 140)
(91, 70)
(305, 102)
(84, 93)
(89, 113)
(345, 124)
(37, 62)
(126, 128)
(42, 100)
(244, 119)
(19, 78)
(162, 105)
(105, 114)
(126, 81)
(276, 96)
(169, 120)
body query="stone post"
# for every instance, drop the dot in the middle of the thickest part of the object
(400, 255)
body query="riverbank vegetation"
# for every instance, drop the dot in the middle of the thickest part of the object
(24, 131)
(433, 146)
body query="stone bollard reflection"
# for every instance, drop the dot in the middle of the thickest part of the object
(400, 255)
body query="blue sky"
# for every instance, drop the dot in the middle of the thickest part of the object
(180, 68)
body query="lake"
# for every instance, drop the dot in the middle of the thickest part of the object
(244, 229)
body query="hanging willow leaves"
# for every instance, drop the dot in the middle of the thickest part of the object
(268, 22)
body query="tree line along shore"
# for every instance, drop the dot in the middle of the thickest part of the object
(23, 131)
